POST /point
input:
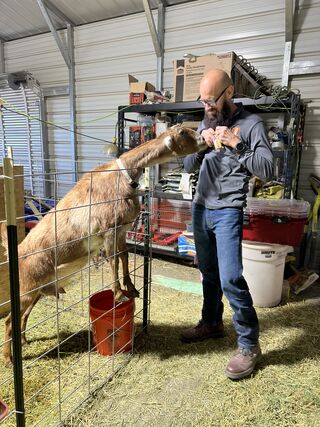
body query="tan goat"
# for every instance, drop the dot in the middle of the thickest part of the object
(96, 212)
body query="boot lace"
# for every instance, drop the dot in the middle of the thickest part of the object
(245, 352)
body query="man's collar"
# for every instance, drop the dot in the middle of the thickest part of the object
(238, 111)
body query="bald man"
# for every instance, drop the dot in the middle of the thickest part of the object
(238, 147)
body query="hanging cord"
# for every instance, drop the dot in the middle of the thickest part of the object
(3, 101)
(57, 126)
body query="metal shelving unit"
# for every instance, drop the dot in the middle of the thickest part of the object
(291, 108)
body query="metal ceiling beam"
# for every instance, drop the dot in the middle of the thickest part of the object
(152, 27)
(289, 14)
(289, 18)
(160, 59)
(56, 36)
(62, 17)
(157, 36)
(72, 103)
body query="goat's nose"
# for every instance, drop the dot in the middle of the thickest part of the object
(200, 140)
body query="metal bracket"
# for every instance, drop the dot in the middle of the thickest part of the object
(289, 18)
(61, 45)
(286, 63)
(157, 36)
(55, 91)
(2, 64)
(57, 12)
(152, 27)
(304, 67)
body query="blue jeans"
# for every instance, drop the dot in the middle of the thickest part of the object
(218, 236)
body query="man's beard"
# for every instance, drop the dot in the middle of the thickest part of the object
(221, 118)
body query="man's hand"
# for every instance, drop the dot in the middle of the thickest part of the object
(221, 136)
(209, 135)
(228, 137)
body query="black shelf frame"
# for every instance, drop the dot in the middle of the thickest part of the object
(291, 106)
(262, 105)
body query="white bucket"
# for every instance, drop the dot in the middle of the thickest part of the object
(263, 268)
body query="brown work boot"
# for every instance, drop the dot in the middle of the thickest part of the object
(243, 362)
(201, 332)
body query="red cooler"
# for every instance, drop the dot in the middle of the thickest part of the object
(275, 220)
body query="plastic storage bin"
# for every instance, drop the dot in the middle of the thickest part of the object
(275, 221)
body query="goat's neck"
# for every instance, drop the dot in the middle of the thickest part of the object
(147, 154)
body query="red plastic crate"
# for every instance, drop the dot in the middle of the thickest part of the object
(269, 229)
(170, 216)
(136, 98)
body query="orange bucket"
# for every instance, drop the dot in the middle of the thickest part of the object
(112, 325)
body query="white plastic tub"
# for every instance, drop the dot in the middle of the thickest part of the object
(263, 268)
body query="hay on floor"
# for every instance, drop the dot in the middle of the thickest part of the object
(168, 383)
(54, 389)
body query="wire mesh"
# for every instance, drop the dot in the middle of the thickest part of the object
(62, 364)
(168, 219)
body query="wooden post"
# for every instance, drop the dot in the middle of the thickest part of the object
(14, 286)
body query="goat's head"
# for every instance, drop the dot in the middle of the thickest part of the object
(183, 141)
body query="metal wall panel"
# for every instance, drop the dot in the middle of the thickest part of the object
(105, 52)
(307, 48)
(254, 29)
(23, 134)
(21, 18)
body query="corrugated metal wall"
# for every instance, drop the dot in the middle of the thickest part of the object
(107, 51)
(307, 48)
(23, 135)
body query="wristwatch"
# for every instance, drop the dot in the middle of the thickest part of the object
(240, 147)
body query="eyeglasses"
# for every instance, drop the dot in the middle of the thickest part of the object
(212, 102)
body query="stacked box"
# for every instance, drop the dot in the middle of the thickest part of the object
(137, 90)
(188, 72)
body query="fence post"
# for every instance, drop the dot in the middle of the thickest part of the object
(14, 287)
(146, 257)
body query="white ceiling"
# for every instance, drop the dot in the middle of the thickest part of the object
(22, 18)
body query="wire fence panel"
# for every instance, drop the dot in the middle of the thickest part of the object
(69, 257)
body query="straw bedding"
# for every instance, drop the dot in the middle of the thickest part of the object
(167, 383)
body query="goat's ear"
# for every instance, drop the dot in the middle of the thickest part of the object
(168, 142)
(176, 127)
(182, 130)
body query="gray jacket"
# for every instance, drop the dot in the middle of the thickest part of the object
(224, 175)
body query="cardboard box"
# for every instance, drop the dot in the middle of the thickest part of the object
(191, 124)
(188, 73)
(137, 89)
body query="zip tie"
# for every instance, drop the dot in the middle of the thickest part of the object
(5, 176)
